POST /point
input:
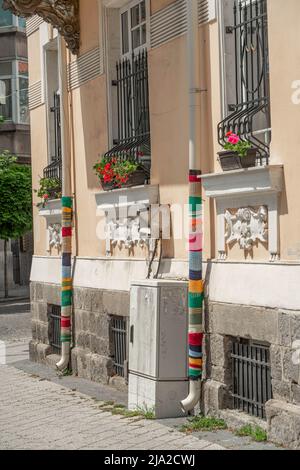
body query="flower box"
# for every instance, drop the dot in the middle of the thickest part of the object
(136, 178)
(230, 160)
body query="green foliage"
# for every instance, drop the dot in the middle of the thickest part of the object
(1, 119)
(114, 170)
(255, 432)
(6, 160)
(116, 409)
(49, 187)
(15, 198)
(203, 423)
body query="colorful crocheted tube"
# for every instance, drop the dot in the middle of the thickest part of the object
(66, 285)
(196, 285)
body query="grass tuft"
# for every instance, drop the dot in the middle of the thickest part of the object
(203, 423)
(255, 432)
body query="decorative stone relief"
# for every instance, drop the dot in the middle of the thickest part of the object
(246, 226)
(55, 239)
(126, 233)
(61, 14)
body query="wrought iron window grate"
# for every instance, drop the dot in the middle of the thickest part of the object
(119, 340)
(54, 170)
(54, 316)
(132, 92)
(250, 114)
(252, 386)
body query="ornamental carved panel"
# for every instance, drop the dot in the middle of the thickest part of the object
(246, 226)
(61, 14)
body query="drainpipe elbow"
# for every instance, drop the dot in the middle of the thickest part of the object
(65, 357)
(189, 403)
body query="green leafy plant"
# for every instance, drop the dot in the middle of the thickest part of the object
(235, 144)
(15, 201)
(49, 188)
(115, 171)
(203, 423)
(255, 432)
(1, 119)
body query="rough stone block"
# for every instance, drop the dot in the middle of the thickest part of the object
(221, 374)
(52, 294)
(295, 393)
(295, 326)
(34, 308)
(82, 339)
(38, 351)
(81, 363)
(82, 299)
(284, 332)
(42, 312)
(291, 370)
(257, 323)
(215, 397)
(220, 350)
(276, 362)
(102, 368)
(116, 303)
(283, 423)
(281, 390)
(97, 301)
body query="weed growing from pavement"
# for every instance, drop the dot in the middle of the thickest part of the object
(203, 423)
(255, 432)
(117, 409)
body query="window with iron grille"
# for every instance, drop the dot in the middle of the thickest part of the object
(54, 316)
(131, 89)
(119, 344)
(245, 60)
(54, 170)
(252, 386)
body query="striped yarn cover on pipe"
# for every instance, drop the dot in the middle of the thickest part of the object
(196, 285)
(66, 286)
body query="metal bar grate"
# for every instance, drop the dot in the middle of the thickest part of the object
(132, 90)
(119, 338)
(251, 370)
(54, 327)
(249, 116)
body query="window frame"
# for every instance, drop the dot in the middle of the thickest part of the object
(15, 90)
(127, 8)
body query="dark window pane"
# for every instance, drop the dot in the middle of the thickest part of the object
(125, 35)
(5, 68)
(135, 36)
(135, 16)
(143, 34)
(143, 11)
(23, 100)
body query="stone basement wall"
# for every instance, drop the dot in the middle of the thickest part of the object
(280, 329)
(91, 354)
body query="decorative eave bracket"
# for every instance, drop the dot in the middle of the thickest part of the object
(61, 14)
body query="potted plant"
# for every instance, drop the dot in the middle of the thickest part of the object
(115, 173)
(50, 188)
(237, 153)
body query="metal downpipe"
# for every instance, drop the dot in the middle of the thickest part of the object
(66, 203)
(195, 296)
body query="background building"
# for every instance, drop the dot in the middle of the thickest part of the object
(15, 131)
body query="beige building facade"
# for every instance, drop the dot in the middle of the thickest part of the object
(248, 83)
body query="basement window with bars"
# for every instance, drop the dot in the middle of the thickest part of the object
(119, 344)
(251, 371)
(245, 73)
(54, 316)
